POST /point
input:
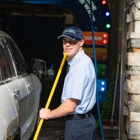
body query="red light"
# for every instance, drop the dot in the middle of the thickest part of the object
(103, 2)
(104, 41)
(104, 35)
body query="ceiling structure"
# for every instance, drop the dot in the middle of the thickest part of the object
(77, 12)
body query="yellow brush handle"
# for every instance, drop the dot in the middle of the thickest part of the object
(51, 95)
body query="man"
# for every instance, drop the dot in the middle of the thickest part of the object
(79, 90)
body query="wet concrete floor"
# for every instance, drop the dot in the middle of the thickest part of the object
(54, 129)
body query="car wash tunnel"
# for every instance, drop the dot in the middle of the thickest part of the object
(111, 32)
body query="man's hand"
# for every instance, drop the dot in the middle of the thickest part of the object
(45, 114)
(64, 109)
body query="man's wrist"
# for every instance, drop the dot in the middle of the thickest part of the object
(49, 116)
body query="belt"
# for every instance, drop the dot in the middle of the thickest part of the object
(78, 116)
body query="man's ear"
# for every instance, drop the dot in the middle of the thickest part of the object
(82, 42)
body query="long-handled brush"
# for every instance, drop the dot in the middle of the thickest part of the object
(51, 95)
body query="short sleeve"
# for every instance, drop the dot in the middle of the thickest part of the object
(76, 84)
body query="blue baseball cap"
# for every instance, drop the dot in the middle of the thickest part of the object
(72, 32)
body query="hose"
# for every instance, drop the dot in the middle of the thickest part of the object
(95, 64)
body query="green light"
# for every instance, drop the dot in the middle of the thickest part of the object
(107, 25)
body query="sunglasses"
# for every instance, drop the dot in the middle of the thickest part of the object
(71, 42)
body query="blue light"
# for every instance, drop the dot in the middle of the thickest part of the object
(107, 14)
(102, 85)
(102, 89)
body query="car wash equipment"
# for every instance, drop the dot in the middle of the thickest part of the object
(51, 95)
(116, 82)
(95, 64)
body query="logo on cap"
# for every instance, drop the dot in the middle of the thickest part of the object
(70, 31)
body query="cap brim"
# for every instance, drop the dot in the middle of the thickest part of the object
(74, 39)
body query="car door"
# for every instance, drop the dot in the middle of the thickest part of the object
(14, 95)
(8, 111)
(18, 88)
(33, 86)
(19, 93)
(30, 98)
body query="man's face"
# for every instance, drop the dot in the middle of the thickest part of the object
(72, 47)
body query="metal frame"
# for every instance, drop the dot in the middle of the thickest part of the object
(122, 73)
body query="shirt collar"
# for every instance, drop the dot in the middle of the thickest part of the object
(76, 57)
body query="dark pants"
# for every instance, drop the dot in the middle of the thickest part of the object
(80, 129)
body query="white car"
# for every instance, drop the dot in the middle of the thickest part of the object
(20, 91)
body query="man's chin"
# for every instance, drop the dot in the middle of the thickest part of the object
(68, 53)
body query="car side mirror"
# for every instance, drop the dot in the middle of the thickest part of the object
(39, 67)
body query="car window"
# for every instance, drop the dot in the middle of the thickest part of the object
(6, 66)
(20, 64)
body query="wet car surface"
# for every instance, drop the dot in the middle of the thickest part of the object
(20, 91)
